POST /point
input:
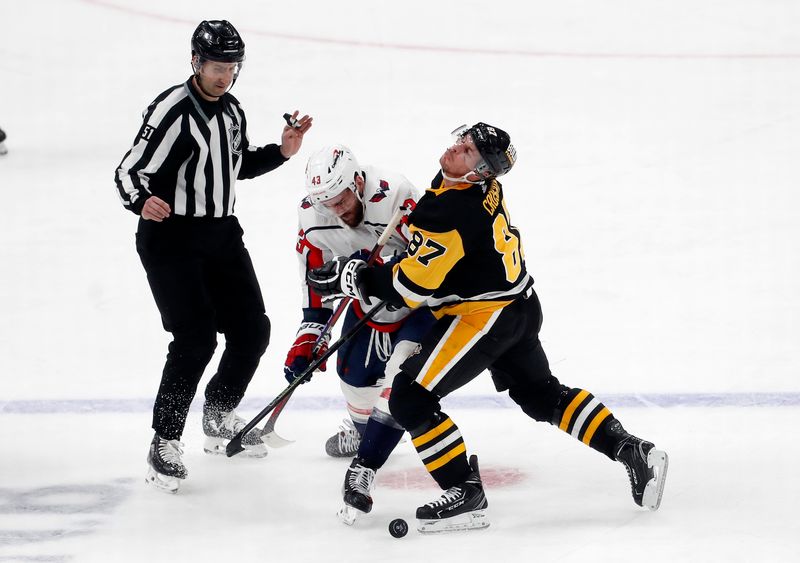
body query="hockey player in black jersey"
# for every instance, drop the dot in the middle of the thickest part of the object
(465, 260)
(179, 177)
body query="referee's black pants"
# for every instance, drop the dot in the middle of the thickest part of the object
(203, 283)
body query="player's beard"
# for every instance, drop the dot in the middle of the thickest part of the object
(353, 218)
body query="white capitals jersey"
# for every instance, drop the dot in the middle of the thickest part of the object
(322, 236)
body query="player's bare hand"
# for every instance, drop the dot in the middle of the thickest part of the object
(155, 209)
(292, 137)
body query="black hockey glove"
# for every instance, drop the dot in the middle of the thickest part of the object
(337, 278)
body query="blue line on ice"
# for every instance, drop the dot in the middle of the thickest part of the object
(93, 406)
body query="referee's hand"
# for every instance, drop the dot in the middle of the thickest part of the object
(155, 209)
(292, 137)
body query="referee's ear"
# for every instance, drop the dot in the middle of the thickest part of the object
(196, 64)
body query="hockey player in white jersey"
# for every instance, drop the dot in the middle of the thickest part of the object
(345, 212)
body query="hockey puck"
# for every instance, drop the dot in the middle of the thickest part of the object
(398, 528)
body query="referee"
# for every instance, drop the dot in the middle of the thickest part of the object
(179, 178)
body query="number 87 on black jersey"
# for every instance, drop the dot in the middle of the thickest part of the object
(464, 256)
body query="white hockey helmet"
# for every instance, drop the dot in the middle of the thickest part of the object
(329, 172)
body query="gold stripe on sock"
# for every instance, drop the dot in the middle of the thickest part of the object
(437, 463)
(596, 422)
(567, 416)
(431, 434)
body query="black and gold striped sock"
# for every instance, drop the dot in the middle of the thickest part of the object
(442, 450)
(585, 418)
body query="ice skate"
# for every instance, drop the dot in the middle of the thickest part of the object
(220, 427)
(462, 507)
(647, 470)
(166, 467)
(358, 483)
(344, 443)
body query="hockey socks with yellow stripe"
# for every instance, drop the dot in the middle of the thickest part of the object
(463, 504)
(442, 450)
(582, 416)
(585, 418)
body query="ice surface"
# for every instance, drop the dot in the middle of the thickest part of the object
(657, 194)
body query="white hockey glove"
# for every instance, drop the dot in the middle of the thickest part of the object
(337, 278)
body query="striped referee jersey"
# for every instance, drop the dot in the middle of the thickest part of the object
(189, 152)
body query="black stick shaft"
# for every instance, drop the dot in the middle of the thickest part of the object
(235, 445)
(373, 255)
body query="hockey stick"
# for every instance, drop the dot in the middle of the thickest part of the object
(235, 445)
(268, 434)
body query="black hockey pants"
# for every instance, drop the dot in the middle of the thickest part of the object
(203, 282)
(456, 351)
(510, 350)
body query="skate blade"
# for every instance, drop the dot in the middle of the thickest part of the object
(474, 520)
(658, 460)
(216, 446)
(161, 482)
(348, 515)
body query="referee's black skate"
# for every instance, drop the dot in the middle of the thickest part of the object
(462, 507)
(358, 483)
(647, 470)
(220, 427)
(166, 467)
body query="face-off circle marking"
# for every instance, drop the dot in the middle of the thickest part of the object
(418, 478)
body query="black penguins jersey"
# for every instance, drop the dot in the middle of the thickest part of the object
(464, 255)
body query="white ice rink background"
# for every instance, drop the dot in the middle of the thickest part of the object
(657, 194)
